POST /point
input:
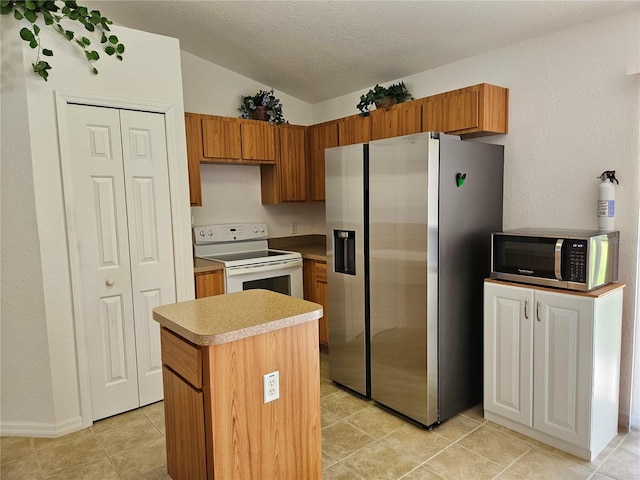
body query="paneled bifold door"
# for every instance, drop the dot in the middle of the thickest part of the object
(121, 228)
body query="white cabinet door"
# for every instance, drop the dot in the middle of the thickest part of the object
(508, 350)
(562, 365)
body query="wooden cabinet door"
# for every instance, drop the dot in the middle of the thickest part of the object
(209, 284)
(315, 290)
(258, 141)
(469, 112)
(402, 119)
(461, 111)
(291, 165)
(451, 112)
(321, 298)
(508, 352)
(184, 423)
(193, 129)
(320, 136)
(221, 138)
(563, 362)
(354, 129)
(433, 114)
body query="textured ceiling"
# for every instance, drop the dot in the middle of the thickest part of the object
(316, 50)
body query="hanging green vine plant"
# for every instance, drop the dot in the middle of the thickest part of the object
(52, 15)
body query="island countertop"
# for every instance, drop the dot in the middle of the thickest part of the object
(230, 317)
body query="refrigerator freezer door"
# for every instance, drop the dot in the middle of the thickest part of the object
(469, 213)
(403, 228)
(345, 187)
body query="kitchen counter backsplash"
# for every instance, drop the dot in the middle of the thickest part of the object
(311, 247)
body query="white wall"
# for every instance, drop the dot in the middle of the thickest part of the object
(40, 384)
(573, 113)
(24, 365)
(231, 193)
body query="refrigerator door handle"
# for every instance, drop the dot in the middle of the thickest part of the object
(557, 265)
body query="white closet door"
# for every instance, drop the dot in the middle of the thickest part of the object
(151, 244)
(99, 217)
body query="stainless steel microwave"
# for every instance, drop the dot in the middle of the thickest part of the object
(572, 259)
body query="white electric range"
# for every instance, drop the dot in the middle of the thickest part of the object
(248, 261)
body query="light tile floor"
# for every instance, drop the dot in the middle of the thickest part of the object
(359, 441)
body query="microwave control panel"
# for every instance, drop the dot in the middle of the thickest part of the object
(577, 259)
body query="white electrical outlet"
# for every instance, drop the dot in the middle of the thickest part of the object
(294, 228)
(271, 386)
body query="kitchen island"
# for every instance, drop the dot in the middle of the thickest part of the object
(219, 355)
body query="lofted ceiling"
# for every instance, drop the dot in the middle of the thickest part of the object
(316, 50)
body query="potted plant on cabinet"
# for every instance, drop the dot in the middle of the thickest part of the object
(383, 97)
(262, 106)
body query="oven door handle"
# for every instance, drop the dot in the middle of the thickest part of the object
(557, 264)
(278, 265)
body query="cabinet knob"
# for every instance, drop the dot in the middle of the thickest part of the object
(109, 282)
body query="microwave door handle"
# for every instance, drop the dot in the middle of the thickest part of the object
(557, 265)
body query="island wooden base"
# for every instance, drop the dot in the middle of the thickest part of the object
(217, 425)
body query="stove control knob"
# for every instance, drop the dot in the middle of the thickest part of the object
(202, 233)
(261, 229)
(255, 229)
(209, 232)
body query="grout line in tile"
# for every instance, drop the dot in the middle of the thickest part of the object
(613, 450)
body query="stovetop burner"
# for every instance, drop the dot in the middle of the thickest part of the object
(246, 255)
(237, 244)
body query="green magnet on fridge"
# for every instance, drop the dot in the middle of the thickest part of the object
(460, 177)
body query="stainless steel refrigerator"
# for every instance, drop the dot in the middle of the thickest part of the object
(408, 245)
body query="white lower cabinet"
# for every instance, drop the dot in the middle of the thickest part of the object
(552, 364)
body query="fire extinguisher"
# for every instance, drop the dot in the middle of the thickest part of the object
(606, 200)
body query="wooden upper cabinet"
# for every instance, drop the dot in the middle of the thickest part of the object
(258, 140)
(221, 138)
(231, 140)
(194, 154)
(319, 137)
(354, 129)
(402, 119)
(293, 187)
(286, 181)
(469, 112)
(279, 149)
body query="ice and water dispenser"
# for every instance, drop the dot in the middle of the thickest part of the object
(344, 251)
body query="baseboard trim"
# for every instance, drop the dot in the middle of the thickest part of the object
(45, 430)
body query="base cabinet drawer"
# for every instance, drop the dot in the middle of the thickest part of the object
(182, 357)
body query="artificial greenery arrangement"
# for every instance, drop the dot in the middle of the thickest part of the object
(262, 105)
(52, 15)
(383, 96)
